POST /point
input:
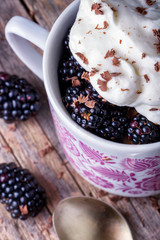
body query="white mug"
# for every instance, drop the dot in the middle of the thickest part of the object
(122, 169)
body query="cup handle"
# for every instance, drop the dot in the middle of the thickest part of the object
(19, 32)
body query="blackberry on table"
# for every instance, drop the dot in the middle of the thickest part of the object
(18, 98)
(142, 131)
(20, 191)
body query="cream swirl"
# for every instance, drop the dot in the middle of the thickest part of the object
(118, 42)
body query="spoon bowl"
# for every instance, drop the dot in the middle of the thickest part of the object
(84, 218)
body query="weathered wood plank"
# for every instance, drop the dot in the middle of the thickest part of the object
(127, 208)
(28, 144)
(33, 228)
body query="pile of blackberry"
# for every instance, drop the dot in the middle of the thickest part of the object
(21, 193)
(142, 131)
(103, 118)
(18, 98)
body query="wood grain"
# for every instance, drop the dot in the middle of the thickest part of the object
(26, 146)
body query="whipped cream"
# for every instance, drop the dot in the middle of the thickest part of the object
(118, 43)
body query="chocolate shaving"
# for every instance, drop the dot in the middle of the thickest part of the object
(124, 89)
(82, 57)
(96, 7)
(90, 104)
(93, 72)
(113, 9)
(105, 24)
(115, 198)
(141, 10)
(98, 28)
(82, 99)
(85, 75)
(153, 109)
(23, 210)
(76, 82)
(102, 193)
(79, 20)
(102, 85)
(48, 225)
(143, 55)
(74, 104)
(156, 33)
(133, 62)
(110, 53)
(104, 27)
(72, 78)
(45, 151)
(138, 92)
(150, 2)
(116, 61)
(106, 76)
(157, 66)
(115, 74)
(12, 127)
(60, 174)
(147, 78)
(7, 148)
(157, 47)
(120, 41)
(155, 203)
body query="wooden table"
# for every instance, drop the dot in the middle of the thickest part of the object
(26, 142)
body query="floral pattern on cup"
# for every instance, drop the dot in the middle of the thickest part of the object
(123, 177)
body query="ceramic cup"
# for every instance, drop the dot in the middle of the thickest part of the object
(122, 169)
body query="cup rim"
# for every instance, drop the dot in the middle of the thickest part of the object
(62, 112)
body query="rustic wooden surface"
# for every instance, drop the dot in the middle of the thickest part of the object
(24, 145)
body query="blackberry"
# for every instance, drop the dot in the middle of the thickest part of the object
(20, 191)
(115, 124)
(68, 68)
(93, 94)
(101, 117)
(142, 131)
(18, 98)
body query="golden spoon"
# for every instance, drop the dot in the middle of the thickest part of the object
(84, 218)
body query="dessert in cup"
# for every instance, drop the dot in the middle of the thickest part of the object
(109, 85)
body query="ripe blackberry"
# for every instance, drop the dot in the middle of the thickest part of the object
(115, 124)
(21, 193)
(68, 68)
(71, 95)
(18, 98)
(142, 131)
(93, 94)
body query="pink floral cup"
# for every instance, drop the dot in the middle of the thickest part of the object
(127, 170)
